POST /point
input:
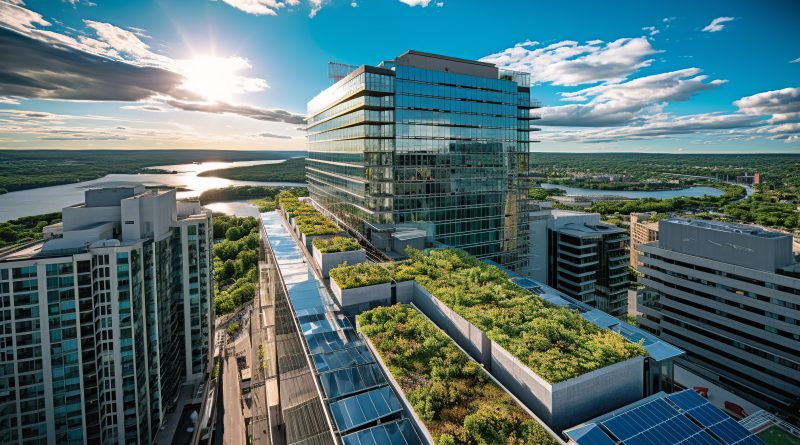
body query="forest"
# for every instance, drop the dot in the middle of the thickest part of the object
(290, 170)
(26, 169)
(235, 262)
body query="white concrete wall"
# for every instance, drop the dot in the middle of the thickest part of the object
(327, 261)
(560, 405)
(360, 295)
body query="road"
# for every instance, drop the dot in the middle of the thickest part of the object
(230, 417)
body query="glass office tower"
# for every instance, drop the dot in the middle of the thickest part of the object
(428, 142)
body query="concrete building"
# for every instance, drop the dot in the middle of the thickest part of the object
(580, 256)
(642, 231)
(102, 322)
(730, 296)
(428, 142)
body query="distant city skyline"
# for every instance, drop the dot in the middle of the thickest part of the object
(683, 77)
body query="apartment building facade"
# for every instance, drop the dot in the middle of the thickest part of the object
(579, 255)
(643, 230)
(101, 324)
(429, 142)
(730, 296)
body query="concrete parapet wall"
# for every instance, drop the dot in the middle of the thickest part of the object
(327, 261)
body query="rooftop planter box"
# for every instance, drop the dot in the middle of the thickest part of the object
(361, 284)
(454, 398)
(306, 221)
(331, 252)
(564, 368)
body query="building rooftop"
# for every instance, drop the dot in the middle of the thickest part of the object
(656, 348)
(680, 418)
(742, 229)
(354, 389)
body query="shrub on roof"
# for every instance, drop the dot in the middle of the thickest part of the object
(450, 393)
(336, 244)
(556, 343)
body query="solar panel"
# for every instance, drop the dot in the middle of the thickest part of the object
(400, 432)
(348, 381)
(590, 435)
(687, 399)
(343, 358)
(332, 341)
(364, 408)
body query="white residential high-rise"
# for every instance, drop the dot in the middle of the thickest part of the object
(103, 322)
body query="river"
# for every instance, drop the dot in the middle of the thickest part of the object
(52, 199)
(636, 194)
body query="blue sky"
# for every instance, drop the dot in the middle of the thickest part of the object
(672, 76)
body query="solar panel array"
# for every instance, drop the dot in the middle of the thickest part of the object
(683, 418)
(364, 408)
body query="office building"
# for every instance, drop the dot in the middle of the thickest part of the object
(426, 142)
(643, 230)
(729, 295)
(580, 256)
(102, 322)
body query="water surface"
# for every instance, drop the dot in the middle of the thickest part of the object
(52, 199)
(635, 194)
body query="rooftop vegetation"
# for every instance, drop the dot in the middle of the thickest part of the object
(450, 393)
(555, 342)
(360, 275)
(308, 219)
(336, 244)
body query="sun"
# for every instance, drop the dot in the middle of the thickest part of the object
(218, 78)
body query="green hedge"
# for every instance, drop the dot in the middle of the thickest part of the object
(556, 343)
(336, 244)
(450, 393)
(308, 219)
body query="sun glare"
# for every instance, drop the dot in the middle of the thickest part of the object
(217, 78)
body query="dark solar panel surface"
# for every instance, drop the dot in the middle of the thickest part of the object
(364, 408)
(683, 418)
(400, 432)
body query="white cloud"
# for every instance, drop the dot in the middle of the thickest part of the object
(354, 4)
(271, 7)
(8, 100)
(660, 125)
(571, 63)
(773, 102)
(626, 103)
(423, 3)
(651, 29)
(797, 60)
(717, 24)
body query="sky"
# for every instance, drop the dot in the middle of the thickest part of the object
(678, 76)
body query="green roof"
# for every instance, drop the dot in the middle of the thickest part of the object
(554, 342)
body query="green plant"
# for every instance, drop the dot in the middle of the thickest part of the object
(450, 393)
(555, 342)
(336, 244)
(234, 327)
(360, 275)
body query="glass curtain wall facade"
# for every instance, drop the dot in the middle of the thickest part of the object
(430, 142)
